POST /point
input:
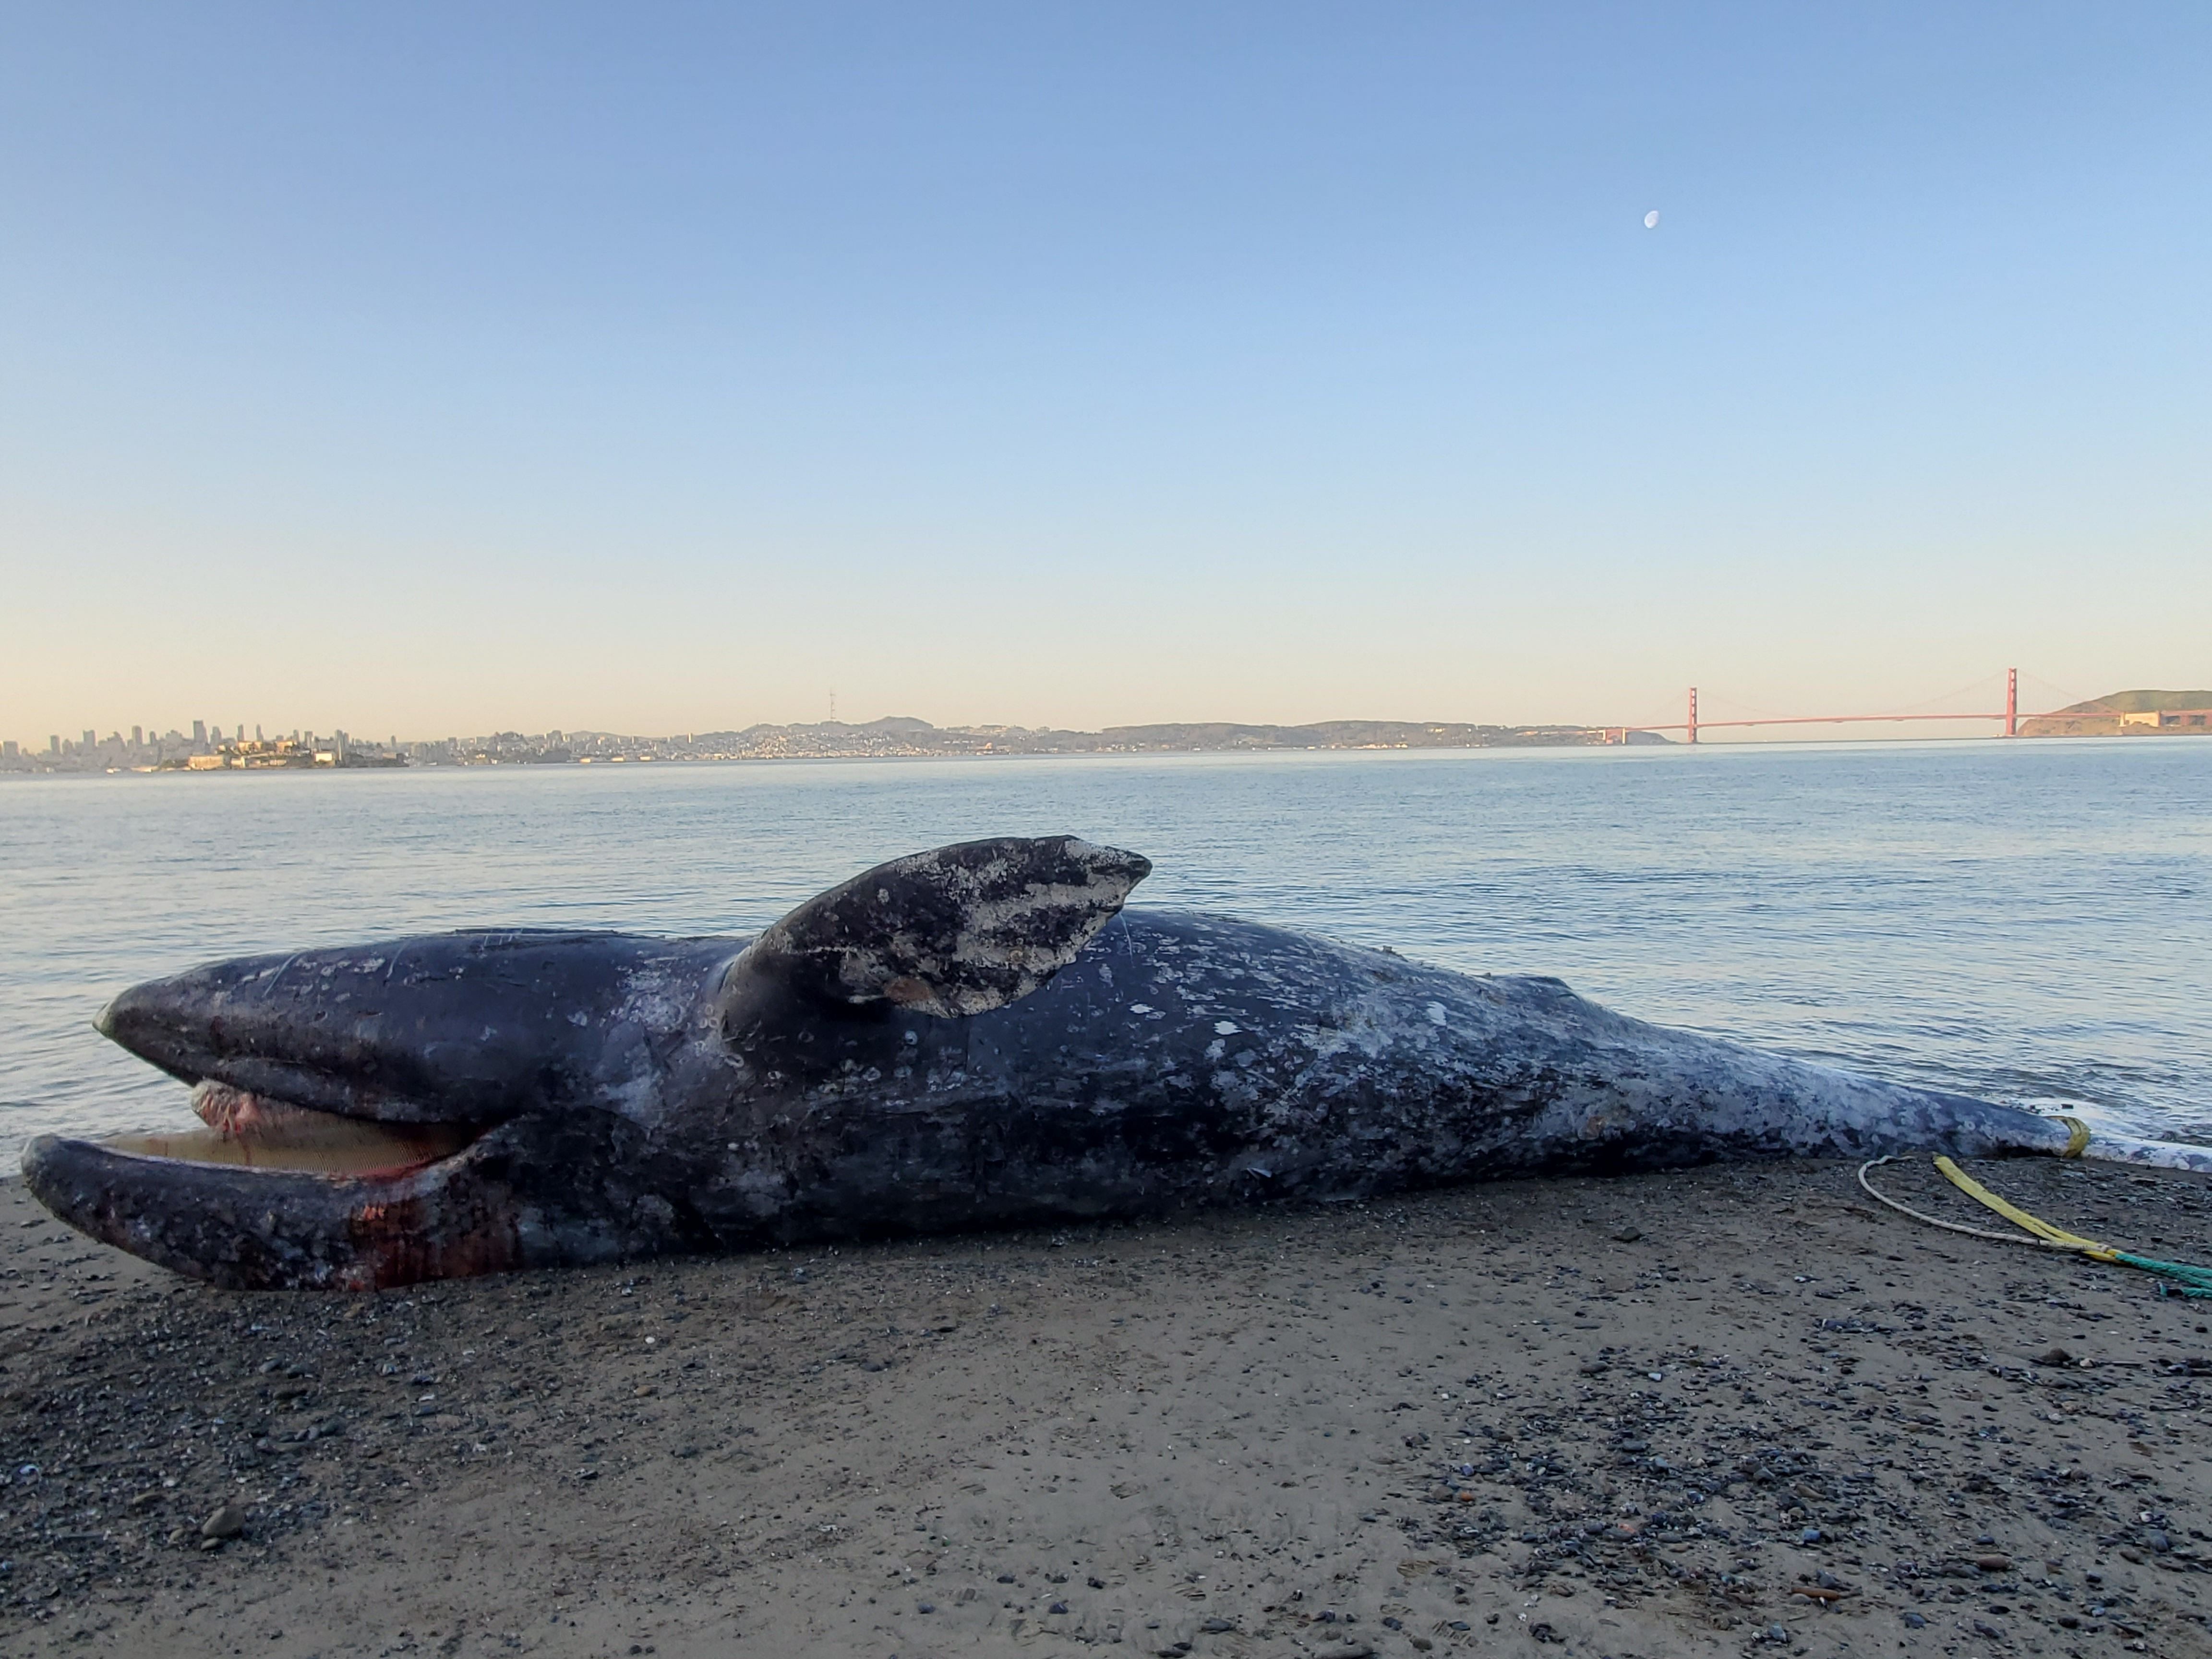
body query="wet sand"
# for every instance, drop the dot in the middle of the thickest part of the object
(1737, 1411)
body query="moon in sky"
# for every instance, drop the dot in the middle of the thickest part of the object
(1651, 220)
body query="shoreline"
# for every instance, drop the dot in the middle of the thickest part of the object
(1588, 738)
(1737, 1409)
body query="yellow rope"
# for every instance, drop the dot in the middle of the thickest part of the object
(2077, 1137)
(2019, 1217)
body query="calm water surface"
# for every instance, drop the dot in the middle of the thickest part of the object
(2030, 922)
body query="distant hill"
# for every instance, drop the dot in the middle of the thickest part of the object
(2128, 714)
(903, 735)
(2139, 703)
(1326, 734)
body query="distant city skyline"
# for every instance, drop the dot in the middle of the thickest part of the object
(424, 369)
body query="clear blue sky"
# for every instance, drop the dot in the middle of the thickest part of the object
(446, 368)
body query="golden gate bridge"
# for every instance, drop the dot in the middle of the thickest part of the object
(2009, 717)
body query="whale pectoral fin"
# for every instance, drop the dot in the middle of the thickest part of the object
(961, 929)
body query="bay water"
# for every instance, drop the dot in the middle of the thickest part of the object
(2028, 920)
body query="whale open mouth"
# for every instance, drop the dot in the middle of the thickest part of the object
(249, 1131)
(323, 1160)
(364, 1109)
(271, 1195)
(274, 1195)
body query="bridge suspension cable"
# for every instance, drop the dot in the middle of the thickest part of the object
(2007, 717)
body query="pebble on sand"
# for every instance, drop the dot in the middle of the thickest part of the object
(227, 1521)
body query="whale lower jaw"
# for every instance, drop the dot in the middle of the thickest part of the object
(274, 1193)
(255, 1227)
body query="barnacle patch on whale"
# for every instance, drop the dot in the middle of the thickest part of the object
(954, 932)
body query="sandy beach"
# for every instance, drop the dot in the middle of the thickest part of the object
(1734, 1411)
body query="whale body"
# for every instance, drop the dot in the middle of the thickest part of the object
(979, 1035)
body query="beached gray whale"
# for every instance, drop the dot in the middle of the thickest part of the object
(974, 1036)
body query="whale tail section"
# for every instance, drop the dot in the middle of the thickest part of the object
(956, 931)
(2065, 1136)
(2151, 1154)
(2006, 1131)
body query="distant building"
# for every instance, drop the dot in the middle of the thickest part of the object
(199, 731)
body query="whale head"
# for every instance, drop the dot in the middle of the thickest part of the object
(471, 1103)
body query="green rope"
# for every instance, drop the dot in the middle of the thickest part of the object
(2186, 1281)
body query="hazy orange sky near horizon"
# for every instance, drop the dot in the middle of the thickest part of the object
(431, 373)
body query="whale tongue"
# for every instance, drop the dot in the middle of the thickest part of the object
(960, 930)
